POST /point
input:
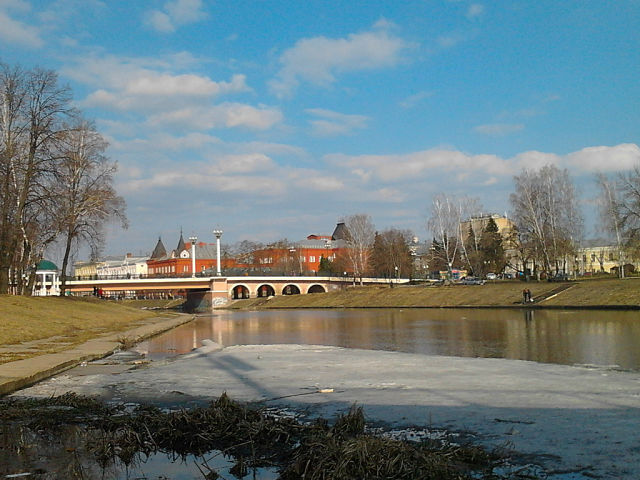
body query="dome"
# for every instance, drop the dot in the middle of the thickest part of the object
(46, 265)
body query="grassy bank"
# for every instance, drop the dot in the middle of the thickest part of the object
(606, 292)
(35, 325)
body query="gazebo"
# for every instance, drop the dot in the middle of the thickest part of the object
(47, 279)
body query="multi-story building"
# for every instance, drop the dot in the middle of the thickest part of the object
(302, 257)
(599, 257)
(178, 262)
(129, 266)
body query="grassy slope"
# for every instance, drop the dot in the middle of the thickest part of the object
(24, 319)
(584, 293)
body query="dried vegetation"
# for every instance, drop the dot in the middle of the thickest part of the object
(252, 437)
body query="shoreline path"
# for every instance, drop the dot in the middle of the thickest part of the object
(567, 418)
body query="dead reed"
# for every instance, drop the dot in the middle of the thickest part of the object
(254, 438)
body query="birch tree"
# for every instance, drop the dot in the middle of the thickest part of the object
(546, 215)
(447, 215)
(610, 212)
(359, 243)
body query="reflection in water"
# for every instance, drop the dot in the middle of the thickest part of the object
(604, 338)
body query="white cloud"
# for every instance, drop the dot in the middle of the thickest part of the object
(319, 59)
(175, 14)
(146, 87)
(313, 180)
(226, 115)
(15, 32)
(250, 163)
(498, 129)
(260, 186)
(606, 159)
(475, 10)
(412, 165)
(330, 123)
(413, 100)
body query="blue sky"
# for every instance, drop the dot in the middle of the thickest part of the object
(275, 119)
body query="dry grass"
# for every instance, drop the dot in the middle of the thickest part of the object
(250, 437)
(70, 320)
(605, 292)
(601, 292)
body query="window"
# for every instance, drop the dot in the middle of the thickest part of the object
(312, 258)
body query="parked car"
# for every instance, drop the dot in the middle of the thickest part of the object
(559, 277)
(491, 276)
(472, 281)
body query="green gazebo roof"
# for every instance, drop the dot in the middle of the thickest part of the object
(46, 265)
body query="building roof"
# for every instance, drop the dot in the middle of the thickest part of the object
(159, 251)
(46, 265)
(181, 245)
(341, 232)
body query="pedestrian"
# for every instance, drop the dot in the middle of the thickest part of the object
(525, 298)
(529, 295)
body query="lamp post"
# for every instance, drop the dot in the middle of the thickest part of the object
(193, 241)
(218, 233)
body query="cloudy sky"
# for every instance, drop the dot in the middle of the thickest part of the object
(273, 119)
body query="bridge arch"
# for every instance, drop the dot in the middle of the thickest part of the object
(316, 288)
(291, 289)
(265, 290)
(240, 291)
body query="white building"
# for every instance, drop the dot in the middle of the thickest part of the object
(127, 267)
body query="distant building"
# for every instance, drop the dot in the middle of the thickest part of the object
(129, 266)
(177, 262)
(599, 257)
(47, 279)
(302, 257)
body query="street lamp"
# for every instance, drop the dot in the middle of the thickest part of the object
(218, 233)
(193, 239)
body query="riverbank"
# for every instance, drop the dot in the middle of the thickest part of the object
(601, 293)
(32, 326)
(42, 336)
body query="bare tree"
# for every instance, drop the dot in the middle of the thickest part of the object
(361, 233)
(609, 206)
(391, 256)
(629, 209)
(619, 205)
(547, 217)
(32, 109)
(84, 190)
(448, 213)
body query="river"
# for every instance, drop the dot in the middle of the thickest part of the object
(572, 337)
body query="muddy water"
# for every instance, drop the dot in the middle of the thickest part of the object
(584, 337)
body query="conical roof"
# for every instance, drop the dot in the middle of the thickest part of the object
(159, 251)
(341, 232)
(181, 245)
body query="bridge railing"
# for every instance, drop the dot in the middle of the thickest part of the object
(230, 272)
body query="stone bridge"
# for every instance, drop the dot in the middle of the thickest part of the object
(203, 292)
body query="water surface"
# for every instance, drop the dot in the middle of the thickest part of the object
(591, 337)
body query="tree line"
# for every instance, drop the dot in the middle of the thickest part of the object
(56, 181)
(546, 231)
